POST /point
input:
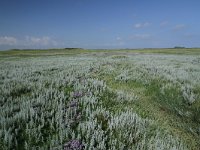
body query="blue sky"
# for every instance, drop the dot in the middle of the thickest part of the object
(99, 23)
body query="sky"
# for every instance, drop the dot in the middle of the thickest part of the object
(99, 23)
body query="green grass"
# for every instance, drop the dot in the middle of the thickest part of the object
(54, 52)
(188, 51)
(153, 104)
(47, 52)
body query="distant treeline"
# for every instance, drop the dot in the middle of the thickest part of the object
(71, 48)
(67, 48)
(179, 47)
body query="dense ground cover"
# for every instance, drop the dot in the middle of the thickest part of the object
(82, 99)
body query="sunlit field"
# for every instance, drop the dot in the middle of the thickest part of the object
(100, 99)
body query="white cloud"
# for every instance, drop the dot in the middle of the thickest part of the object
(138, 25)
(179, 27)
(142, 25)
(118, 38)
(28, 41)
(7, 40)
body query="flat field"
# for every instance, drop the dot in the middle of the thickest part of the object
(100, 99)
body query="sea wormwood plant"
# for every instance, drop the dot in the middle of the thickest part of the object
(58, 102)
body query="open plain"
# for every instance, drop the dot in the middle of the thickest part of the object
(100, 99)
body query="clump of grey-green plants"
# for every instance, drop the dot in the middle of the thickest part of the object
(57, 103)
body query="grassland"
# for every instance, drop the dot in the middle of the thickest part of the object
(100, 99)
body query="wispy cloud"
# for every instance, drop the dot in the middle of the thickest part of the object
(28, 41)
(8, 40)
(142, 25)
(119, 41)
(179, 27)
(118, 38)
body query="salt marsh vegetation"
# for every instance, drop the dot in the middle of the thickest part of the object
(87, 101)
